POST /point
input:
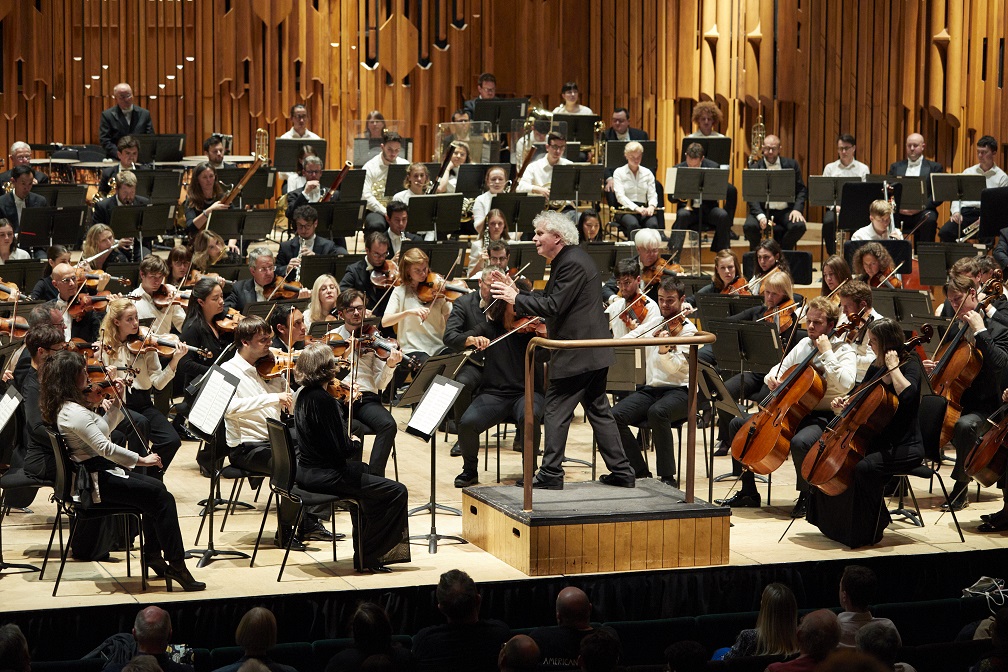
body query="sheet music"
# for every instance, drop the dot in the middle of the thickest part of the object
(670, 177)
(434, 406)
(8, 404)
(209, 407)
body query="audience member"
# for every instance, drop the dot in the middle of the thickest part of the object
(372, 636)
(253, 665)
(880, 639)
(686, 656)
(143, 662)
(152, 630)
(858, 587)
(14, 656)
(466, 642)
(599, 652)
(519, 654)
(818, 634)
(560, 644)
(776, 630)
(257, 634)
(849, 660)
(996, 660)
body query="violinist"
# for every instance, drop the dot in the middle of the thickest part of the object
(649, 246)
(854, 516)
(257, 288)
(9, 251)
(837, 364)
(500, 393)
(880, 226)
(631, 314)
(856, 296)
(44, 289)
(45, 314)
(358, 274)
(872, 263)
(727, 276)
(120, 325)
(768, 257)
(371, 375)
(479, 251)
(40, 343)
(288, 327)
(495, 181)
(322, 307)
(178, 263)
(64, 279)
(981, 398)
(203, 196)
(589, 228)
(167, 313)
(835, 272)
(663, 400)
(101, 238)
(415, 183)
(306, 242)
(211, 246)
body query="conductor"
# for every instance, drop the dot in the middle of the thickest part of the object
(572, 307)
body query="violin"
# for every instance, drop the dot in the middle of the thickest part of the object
(341, 391)
(146, 341)
(383, 347)
(785, 314)
(530, 325)
(280, 288)
(634, 313)
(76, 344)
(879, 280)
(332, 339)
(738, 286)
(386, 275)
(97, 391)
(830, 467)
(99, 280)
(163, 298)
(96, 372)
(436, 285)
(15, 327)
(653, 274)
(87, 303)
(987, 460)
(196, 275)
(12, 292)
(228, 320)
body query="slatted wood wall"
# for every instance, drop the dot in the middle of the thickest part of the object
(875, 68)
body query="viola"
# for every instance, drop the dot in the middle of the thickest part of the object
(386, 275)
(342, 392)
(830, 467)
(280, 288)
(738, 286)
(785, 314)
(11, 291)
(987, 460)
(436, 285)
(163, 298)
(332, 339)
(653, 274)
(196, 275)
(634, 313)
(14, 327)
(87, 303)
(879, 280)
(383, 347)
(99, 279)
(228, 320)
(531, 325)
(98, 391)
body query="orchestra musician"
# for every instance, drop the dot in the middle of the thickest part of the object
(871, 262)
(299, 124)
(322, 307)
(288, 325)
(787, 219)
(153, 273)
(126, 184)
(539, 174)
(297, 180)
(569, 93)
(965, 266)
(122, 119)
(213, 147)
(40, 343)
(634, 187)
(496, 232)
(64, 279)
(915, 165)
(415, 183)
(690, 213)
(620, 129)
(623, 312)
(371, 375)
(101, 238)
(374, 125)
(495, 181)
(129, 152)
(706, 115)
(310, 192)
(460, 155)
(20, 197)
(836, 361)
(535, 140)
(376, 170)
(20, 155)
(203, 196)
(200, 331)
(213, 249)
(727, 275)
(855, 297)
(965, 213)
(44, 289)
(306, 243)
(835, 272)
(258, 288)
(178, 263)
(880, 226)
(486, 89)
(9, 251)
(589, 227)
(663, 400)
(461, 132)
(768, 257)
(649, 246)
(394, 227)
(845, 166)
(358, 274)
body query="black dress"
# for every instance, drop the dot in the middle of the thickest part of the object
(325, 466)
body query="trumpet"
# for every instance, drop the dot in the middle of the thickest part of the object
(756, 138)
(598, 149)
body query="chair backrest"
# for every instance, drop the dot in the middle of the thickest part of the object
(284, 469)
(799, 262)
(930, 416)
(64, 471)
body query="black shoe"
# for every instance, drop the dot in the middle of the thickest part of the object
(157, 565)
(183, 432)
(741, 501)
(375, 569)
(721, 449)
(541, 484)
(959, 498)
(994, 517)
(993, 526)
(800, 507)
(296, 544)
(315, 530)
(177, 571)
(456, 450)
(670, 481)
(616, 481)
(646, 474)
(465, 479)
(734, 236)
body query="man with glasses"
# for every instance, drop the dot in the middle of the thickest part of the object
(786, 219)
(845, 166)
(915, 165)
(259, 287)
(122, 119)
(965, 213)
(20, 155)
(311, 192)
(539, 175)
(305, 243)
(64, 277)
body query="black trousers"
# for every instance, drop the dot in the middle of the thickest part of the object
(375, 419)
(256, 456)
(926, 223)
(485, 411)
(629, 223)
(785, 232)
(160, 519)
(950, 231)
(689, 218)
(470, 375)
(164, 440)
(562, 397)
(660, 407)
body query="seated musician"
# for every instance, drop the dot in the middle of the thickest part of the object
(9, 251)
(857, 516)
(992, 522)
(690, 213)
(260, 287)
(415, 183)
(479, 250)
(297, 180)
(495, 181)
(663, 400)
(64, 279)
(394, 227)
(129, 152)
(880, 226)
(998, 308)
(203, 196)
(464, 330)
(306, 243)
(727, 276)
(856, 296)
(358, 274)
(499, 394)
(873, 264)
(375, 174)
(247, 438)
(101, 238)
(170, 315)
(213, 148)
(835, 272)
(44, 289)
(589, 227)
(706, 115)
(370, 374)
(786, 219)
(649, 246)
(534, 141)
(40, 342)
(768, 257)
(20, 197)
(20, 155)
(981, 398)
(837, 363)
(776, 292)
(539, 174)
(374, 125)
(287, 323)
(322, 307)
(214, 249)
(486, 89)
(311, 192)
(569, 93)
(125, 195)
(634, 187)
(624, 311)
(925, 221)
(965, 213)
(121, 324)
(460, 155)
(180, 265)
(845, 166)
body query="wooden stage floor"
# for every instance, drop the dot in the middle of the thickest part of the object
(753, 537)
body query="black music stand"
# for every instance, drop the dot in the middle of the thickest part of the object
(256, 191)
(705, 184)
(500, 112)
(914, 196)
(442, 211)
(957, 187)
(339, 219)
(604, 256)
(257, 226)
(314, 265)
(580, 127)
(352, 187)
(227, 223)
(577, 182)
(901, 304)
(519, 210)
(614, 157)
(935, 259)
(365, 149)
(440, 255)
(472, 176)
(826, 191)
(694, 282)
(43, 227)
(760, 185)
(287, 151)
(160, 147)
(714, 390)
(264, 308)
(62, 195)
(723, 306)
(993, 206)
(717, 148)
(129, 271)
(160, 186)
(24, 273)
(524, 253)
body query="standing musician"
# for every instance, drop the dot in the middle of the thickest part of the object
(312, 190)
(496, 180)
(20, 155)
(376, 170)
(845, 166)
(259, 287)
(981, 398)
(836, 362)
(835, 272)
(129, 152)
(415, 184)
(787, 219)
(855, 297)
(634, 187)
(572, 307)
(630, 315)
(153, 271)
(539, 174)
(689, 213)
(20, 197)
(322, 307)
(857, 516)
(649, 248)
(965, 213)
(122, 119)
(370, 374)
(126, 183)
(501, 390)
(327, 464)
(306, 243)
(872, 263)
(358, 274)
(203, 196)
(915, 165)
(880, 226)
(479, 250)
(664, 399)
(727, 276)
(121, 325)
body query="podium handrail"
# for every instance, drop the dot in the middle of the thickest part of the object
(694, 340)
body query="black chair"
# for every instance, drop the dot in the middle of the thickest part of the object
(799, 262)
(14, 480)
(282, 484)
(66, 506)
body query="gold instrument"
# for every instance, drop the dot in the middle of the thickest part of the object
(378, 190)
(598, 150)
(467, 208)
(8, 186)
(261, 157)
(756, 138)
(969, 232)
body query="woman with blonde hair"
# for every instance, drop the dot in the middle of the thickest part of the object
(322, 307)
(776, 631)
(415, 182)
(100, 238)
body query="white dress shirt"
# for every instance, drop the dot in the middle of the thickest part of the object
(914, 167)
(582, 109)
(376, 169)
(839, 365)
(995, 178)
(254, 402)
(854, 169)
(146, 310)
(539, 174)
(672, 368)
(632, 189)
(373, 373)
(868, 233)
(619, 328)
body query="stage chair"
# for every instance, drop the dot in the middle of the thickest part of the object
(282, 484)
(15, 479)
(66, 506)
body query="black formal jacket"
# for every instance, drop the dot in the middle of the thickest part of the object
(242, 294)
(634, 133)
(291, 247)
(40, 177)
(107, 173)
(358, 276)
(899, 168)
(197, 334)
(465, 320)
(756, 209)
(44, 290)
(296, 198)
(407, 236)
(983, 396)
(113, 126)
(572, 307)
(103, 208)
(9, 212)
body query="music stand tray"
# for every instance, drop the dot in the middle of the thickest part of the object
(258, 225)
(706, 184)
(717, 149)
(160, 147)
(914, 196)
(524, 252)
(287, 151)
(723, 306)
(948, 187)
(826, 191)
(443, 212)
(614, 154)
(314, 265)
(760, 185)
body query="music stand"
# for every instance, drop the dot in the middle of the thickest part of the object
(264, 308)
(160, 147)
(442, 211)
(957, 187)
(714, 390)
(580, 127)
(694, 282)
(705, 184)
(257, 226)
(524, 252)
(500, 112)
(256, 191)
(160, 186)
(339, 219)
(760, 185)
(520, 210)
(993, 205)
(472, 176)
(352, 186)
(935, 259)
(287, 151)
(901, 304)
(227, 223)
(914, 196)
(314, 265)
(48, 226)
(128, 271)
(826, 191)
(62, 195)
(204, 421)
(614, 157)
(439, 254)
(577, 182)
(717, 148)
(723, 306)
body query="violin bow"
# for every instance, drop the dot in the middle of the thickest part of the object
(510, 280)
(628, 306)
(837, 288)
(279, 284)
(115, 391)
(440, 290)
(886, 278)
(759, 279)
(73, 298)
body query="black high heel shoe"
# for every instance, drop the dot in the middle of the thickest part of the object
(177, 571)
(157, 565)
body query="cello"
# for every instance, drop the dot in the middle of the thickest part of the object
(988, 458)
(846, 439)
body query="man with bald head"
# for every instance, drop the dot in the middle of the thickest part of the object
(20, 155)
(519, 654)
(122, 119)
(818, 636)
(152, 631)
(559, 644)
(787, 220)
(915, 165)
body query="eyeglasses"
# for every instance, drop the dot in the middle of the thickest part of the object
(354, 309)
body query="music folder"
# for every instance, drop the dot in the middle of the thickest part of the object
(160, 147)
(716, 148)
(760, 185)
(442, 211)
(256, 191)
(42, 227)
(915, 195)
(577, 182)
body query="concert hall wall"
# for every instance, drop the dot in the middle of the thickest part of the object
(875, 68)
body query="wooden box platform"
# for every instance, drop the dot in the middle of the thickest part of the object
(589, 527)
